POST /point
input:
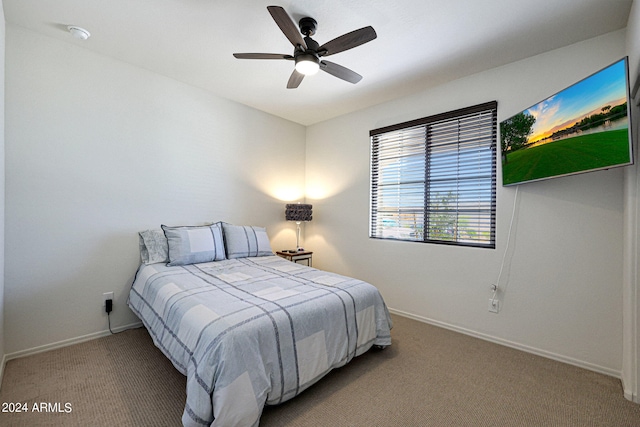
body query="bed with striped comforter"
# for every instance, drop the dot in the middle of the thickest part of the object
(253, 331)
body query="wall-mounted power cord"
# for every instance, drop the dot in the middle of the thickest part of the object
(496, 287)
(108, 307)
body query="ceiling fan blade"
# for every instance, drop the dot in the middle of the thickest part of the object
(295, 80)
(347, 41)
(262, 56)
(287, 26)
(340, 72)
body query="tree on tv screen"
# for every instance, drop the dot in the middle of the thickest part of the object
(515, 131)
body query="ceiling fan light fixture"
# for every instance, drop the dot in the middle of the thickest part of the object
(307, 64)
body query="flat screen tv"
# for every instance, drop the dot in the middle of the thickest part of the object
(585, 127)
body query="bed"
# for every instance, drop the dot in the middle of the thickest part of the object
(248, 328)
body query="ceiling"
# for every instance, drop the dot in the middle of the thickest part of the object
(420, 43)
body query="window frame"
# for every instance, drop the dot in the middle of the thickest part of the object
(375, 213)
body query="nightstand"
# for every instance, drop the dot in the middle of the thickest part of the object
(303, 256)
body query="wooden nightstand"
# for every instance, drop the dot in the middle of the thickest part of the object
(297, 256)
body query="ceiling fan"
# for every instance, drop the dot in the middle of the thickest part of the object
(307, 52)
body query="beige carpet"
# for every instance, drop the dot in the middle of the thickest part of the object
(428, 377)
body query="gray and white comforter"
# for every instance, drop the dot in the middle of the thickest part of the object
(253, 331)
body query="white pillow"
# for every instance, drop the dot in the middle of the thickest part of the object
(153, 246)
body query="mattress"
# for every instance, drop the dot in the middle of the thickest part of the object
(253, 331)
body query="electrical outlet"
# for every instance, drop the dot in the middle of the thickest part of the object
(105, 297)
(494, 305)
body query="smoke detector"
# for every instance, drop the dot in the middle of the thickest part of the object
(78, 33)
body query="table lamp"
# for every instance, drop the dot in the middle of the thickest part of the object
(298, 212)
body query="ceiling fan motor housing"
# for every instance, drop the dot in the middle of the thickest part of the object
(307, 26)
(311, 44)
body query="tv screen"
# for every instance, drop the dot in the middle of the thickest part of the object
(583, 128)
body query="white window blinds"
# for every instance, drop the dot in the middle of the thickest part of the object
(434, 179)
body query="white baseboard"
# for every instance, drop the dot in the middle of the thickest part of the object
(517, 346)
(2, 365)
(631, 397)
(65, 343)
(628, 394)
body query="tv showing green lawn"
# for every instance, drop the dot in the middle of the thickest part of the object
(583, 128)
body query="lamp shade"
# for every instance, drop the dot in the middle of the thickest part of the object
(298, 212)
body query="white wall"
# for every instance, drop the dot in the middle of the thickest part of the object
(631, 280)
(2, 180)
(562, 286)
(97, 150)
(633, 41)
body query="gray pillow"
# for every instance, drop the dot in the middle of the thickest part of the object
(246, 241)
(194, 244)
(153, 246)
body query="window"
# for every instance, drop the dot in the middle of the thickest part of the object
(434, 179)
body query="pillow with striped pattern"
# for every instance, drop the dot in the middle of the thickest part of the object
(246, 241)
